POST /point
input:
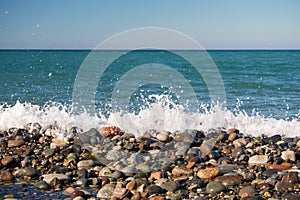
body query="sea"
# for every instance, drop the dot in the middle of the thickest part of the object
(255, 91)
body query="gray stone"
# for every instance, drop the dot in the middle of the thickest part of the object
(215, 188)
(42, 185)
(49, 177)
(258, 160)
(106, 191)
(153, 189)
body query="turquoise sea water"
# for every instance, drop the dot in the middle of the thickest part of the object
(256, 82)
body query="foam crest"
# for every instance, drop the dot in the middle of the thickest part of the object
(159, 115)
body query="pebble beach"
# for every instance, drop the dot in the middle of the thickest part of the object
(109, 163)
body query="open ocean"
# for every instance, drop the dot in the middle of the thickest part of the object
(262, 93)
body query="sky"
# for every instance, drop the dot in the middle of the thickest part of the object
(215, 24)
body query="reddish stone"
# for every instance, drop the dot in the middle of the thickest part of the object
(208, 173)
(232, 130)
(15, 143)
(110, 130)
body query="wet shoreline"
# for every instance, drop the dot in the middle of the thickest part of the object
(108, 163)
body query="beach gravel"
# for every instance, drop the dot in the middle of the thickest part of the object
(109, 163)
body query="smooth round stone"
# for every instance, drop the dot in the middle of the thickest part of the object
(291, 177)
(8, 160)
(237, 152)
(71, 156)
(120, 193)
(82, 173)
(153, 189)
(288, 155)
(85, 164)
(130, 170)
(205, 149)
(15, 143)
(182, 151)
(232, 136)
(131, 185)
(284, 186)
(215, 188)
(49, 177)
(110, 131)
(170, 186)
(42, 185)
(184, 137)
(229, 180)
(264, 186)
(240, 142)
(5, 175)
(135, 159)
(163, 137)
(113, 155)
(82, 182)
(273, 139)
(194, 151)
(208, 173)
(232, 130)
(258, 160)
(69, 190)
(76, 193)
(105, 172)
(289, 196)
(106, 191)
(117, 174)
(179, 171)
(247, 191)
(29, 171)
(270, 172)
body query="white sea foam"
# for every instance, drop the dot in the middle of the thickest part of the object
(158, 116)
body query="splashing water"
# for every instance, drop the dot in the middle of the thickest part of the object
(161, 115)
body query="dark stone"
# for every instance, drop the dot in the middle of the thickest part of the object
(5, 175)
(215, 188)
(170, 186)
(42, 185)
(237, 152)
(284, 186)
(289, 196)
(77, 193)
(29, 171)
(273, 139)
(153, 189)
(82, 173)
(291, 177)
(270, 172)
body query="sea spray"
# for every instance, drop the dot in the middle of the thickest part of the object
(158, 116)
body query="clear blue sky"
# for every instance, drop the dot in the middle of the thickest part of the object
(215, 24)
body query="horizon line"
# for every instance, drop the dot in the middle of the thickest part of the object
(209, 49)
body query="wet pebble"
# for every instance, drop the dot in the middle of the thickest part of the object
(153, 189)
(215, 188)
(291, 177)
(42, 185)
(170, 186)
(120, 193)
(15, 143)
(288, 155)
(106, 191)
(49, 177)
(208, 173)
(284, 186)
(247, 191)
(258, 160)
